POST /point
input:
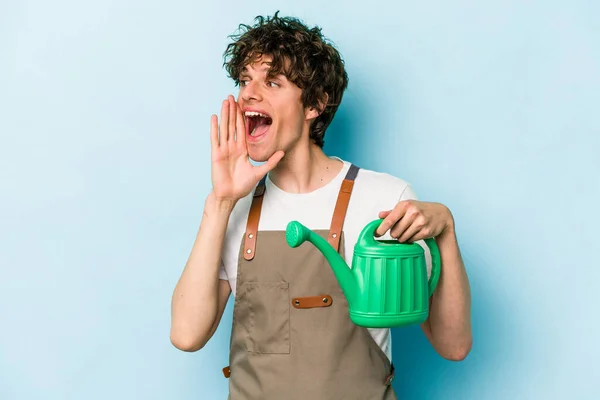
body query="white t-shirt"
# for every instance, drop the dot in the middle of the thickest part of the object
(372, 192)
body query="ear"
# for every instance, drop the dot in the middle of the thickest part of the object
(312, 112)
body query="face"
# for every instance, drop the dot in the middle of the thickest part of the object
(274, 115)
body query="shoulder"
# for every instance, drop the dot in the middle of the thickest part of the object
(373, 192)
(382, 184)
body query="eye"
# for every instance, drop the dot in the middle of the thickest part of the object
(243, 82)
(272, 84)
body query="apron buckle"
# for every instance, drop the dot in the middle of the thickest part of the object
(227, 372)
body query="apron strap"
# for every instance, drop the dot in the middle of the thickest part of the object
(337, 222)
(339, 213)
(253, 218)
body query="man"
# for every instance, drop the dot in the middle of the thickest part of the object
(292, 337)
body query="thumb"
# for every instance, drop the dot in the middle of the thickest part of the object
(271, 163)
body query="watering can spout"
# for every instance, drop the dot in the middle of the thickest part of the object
(296, 234)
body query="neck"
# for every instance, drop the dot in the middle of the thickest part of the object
(305, 169)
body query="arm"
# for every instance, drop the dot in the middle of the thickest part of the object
(200, 297)
(448, 327)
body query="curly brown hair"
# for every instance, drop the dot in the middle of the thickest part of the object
(302, 54)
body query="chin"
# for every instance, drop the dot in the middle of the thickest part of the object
(258, 156)
(261, 156)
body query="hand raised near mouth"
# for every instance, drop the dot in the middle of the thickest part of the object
(233, 176)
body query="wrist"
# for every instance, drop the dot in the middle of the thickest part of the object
(448, 231)
(219, 205)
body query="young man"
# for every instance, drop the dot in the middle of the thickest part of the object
(292, 337)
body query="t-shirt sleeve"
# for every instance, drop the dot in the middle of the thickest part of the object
(222, 272)
(409, 194)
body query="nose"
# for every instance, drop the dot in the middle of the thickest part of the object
(251, 92)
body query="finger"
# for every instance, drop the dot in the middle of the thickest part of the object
(262, 170)
(232, 118)
(405, 228)
(240, 129)
(224, 128)
(391, 219)
(214, 131)
(411, 238)
(383, 214)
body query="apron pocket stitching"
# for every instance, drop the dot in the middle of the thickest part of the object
(268, 317)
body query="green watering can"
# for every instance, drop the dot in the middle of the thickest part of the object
(387, 285)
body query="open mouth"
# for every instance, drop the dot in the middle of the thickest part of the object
(257, 123)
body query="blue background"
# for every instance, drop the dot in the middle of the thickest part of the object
(489, 107)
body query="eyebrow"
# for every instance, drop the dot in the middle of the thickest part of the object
(280, 78)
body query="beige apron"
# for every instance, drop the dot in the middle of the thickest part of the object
(292, 337)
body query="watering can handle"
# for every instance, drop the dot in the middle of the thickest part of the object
(367, 238)
(436, 264)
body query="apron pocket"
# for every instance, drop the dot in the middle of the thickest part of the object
(268, 317)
